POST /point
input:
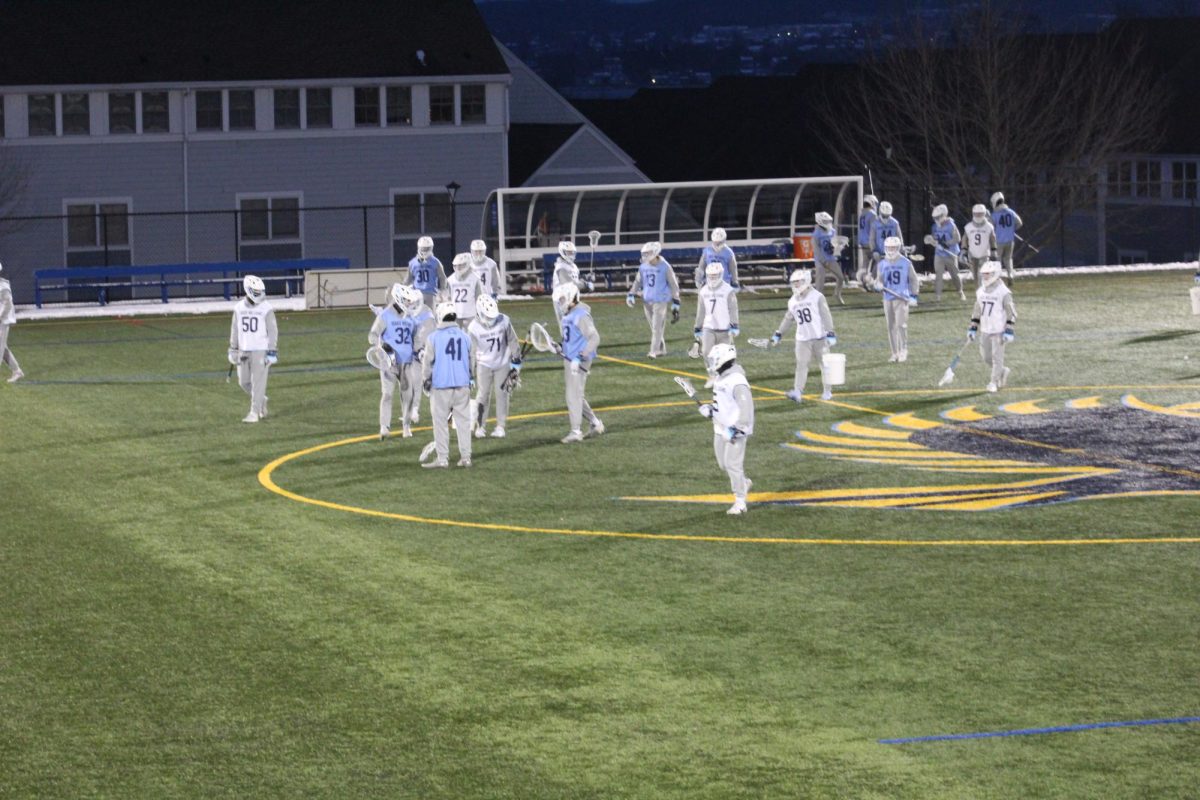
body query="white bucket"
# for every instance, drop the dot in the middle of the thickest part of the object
(1195, 300)
(833, 368)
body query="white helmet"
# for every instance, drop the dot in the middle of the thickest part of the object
(871, 200)
(885, 209)
(997, 199)
(446, 311)
(823, 219)
(989, 273)
(800, 280)
(486, 308)
(720, 357)
(424, 247)
(565, 295)
(396, 296)
(719, 236)
(891, 248)
(461, 262)
(411, 298)
(567, 251)
(478, 251)
(979, 212)
(254, 288)
(1, 267)
(940, 212)
(714, 273)
(650, 250)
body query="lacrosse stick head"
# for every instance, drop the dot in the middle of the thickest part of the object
(759, 343)
(686, 385)
(593, 238)
(378, 358)
(839, 244)
(539, 337)
(947, 377)
(234, 356)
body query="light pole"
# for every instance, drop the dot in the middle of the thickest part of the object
(452, 190)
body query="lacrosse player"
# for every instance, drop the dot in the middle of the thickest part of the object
(866, 246)
(567, 271)
(886, 227)
(425, 271)
(718, 251)
(462, 288)
(825, 255)
(8, 318)
(981, 239)
(392, 331)
(732, 415)
(945, 238)
(420, 317)
(580, 340)
(253, 344)
(716, 311)
(898, 282)
(496, 350)
(809, 312)
(658, 285)
(446, 375)
(1006, 221)
(996, 314)
(485, 268)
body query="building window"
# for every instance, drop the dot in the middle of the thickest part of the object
(269, 227)
(98, 232)
(416, 214)
(366, 106)
(77, 120)
(287, 109)
(122, 107)
(474, 104)
(209, 113)
(241, 110)
(1149, 179)
(318, 108)
(441, 105)
(399, 105)
(156, 113)
(1183, 180)
(43, 120)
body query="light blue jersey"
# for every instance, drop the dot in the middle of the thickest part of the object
(655, 288)
(943, 234)
(885, 228)
(1005, 221)
(894, 275)
(724, 255)
(573, 340)
(398, 335)
(866, 222)
(425, 274)
(822, 241)
(451, 357)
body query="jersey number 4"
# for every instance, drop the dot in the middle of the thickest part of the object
(454, 349)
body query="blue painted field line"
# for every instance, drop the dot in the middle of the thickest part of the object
(947, 737)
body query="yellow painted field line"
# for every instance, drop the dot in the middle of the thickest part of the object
(1023, 407)
(857, 452)
(965, 414)
(999, 502)
(1080, 403)
(866, 431)
(848, 441)
(911, 422)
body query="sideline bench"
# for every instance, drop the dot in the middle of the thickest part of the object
(613, 264)
(164, 276)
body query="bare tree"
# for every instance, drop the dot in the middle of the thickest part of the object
(978, 107)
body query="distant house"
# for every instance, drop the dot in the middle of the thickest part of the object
(209, 131)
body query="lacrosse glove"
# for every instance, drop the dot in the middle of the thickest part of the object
(575, 366)
(387, 348)
(734, 330)
(831, 338)
(1009, 333)
(675, 306)
(734, 433)
(973, 330)
(272, 357)
(629, 300)
(427, 385)
(234, 356)
(591, 287)
(696, 334)
(776, 337)
(706, 410)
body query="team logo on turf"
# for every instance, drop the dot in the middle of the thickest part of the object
(1026, 456)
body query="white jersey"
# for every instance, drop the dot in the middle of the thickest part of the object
(490, 343)
(979, 238)
(726, 411)
(806, 313)
(565, 272)
(253, 322)
(488, 274)
(462, 290)
(715, 304)
(994, 305)
(8, 314)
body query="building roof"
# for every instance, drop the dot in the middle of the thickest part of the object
(531, 145)
(86, 42)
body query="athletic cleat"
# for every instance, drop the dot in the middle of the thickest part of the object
(596, 428)
(991, 387)
(16, 376)
(893, 358)
(435, 465)
(651, 355)
(251, 417)
(1004, 377)
(383, 434)
(573, 436)
(498, 432)
(827, 395)
(406, 432)
(962, 295)
(903, 356)
(794, 396)
(480, 433)
(738, 507)
(415, 416)
(262, 414)
(464, 462)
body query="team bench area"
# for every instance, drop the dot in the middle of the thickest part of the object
(104, 284)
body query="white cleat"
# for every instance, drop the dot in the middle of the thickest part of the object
(383, 434)
(415, 416)
(573, 436)
(794, 396)
(480, 433)
(1004, 377)
(464, 462)
(498, 432)
(597, 427)
(738, 507)
(435, 465)
(827, 395)
(893, 358)
(903, 356)
(251, 417)
(406, 432)
(991, 387)
(16, 376)
(962, 295)
(651, 355)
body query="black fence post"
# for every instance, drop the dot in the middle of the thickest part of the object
(237, 256)
(366, 243)
(1062, 229)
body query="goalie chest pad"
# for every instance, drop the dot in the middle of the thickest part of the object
(251, 323)
(655, 288)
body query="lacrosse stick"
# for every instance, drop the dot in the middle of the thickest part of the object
(948, 375)
(376, 310)
(760, 343)
(1026, 243)
(427, 451)
(912, 301)
(235, 358)
(540, 338)
(379, 358)
(688, 389)
(593, 240)
(839, 244)
(512, 381)
(910, 250)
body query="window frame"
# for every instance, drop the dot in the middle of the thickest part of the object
(54, 115)
(453, 104)
(270, 238)
(207, 93)
(135, 127)
(143, 115)
(462, 104)
(423, 193)
(364, 92)
(387, 105)
(86, 100)
(298, 107)
(306, 105)
(235, 118)
(100, 240)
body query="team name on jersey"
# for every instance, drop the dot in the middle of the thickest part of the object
(716, 306)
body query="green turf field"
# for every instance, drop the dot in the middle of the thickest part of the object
(195, 607)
